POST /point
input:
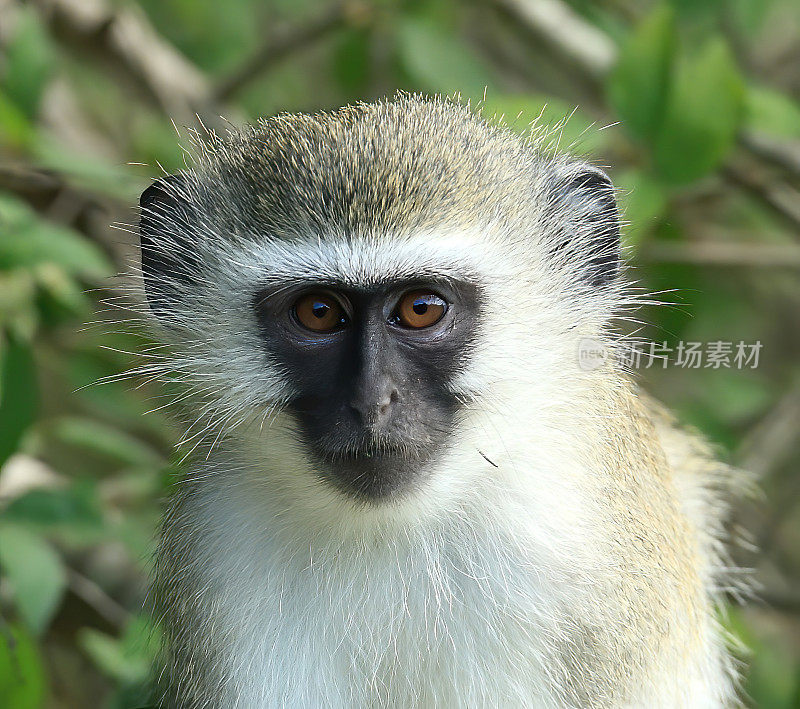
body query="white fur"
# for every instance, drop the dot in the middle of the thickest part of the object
(478, 589)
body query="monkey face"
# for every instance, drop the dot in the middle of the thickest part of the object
(365, 272)
(371, 370)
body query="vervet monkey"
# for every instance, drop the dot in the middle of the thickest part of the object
(407, 491)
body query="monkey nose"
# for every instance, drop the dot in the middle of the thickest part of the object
(374, 411)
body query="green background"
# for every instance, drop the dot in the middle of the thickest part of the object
(692, 105)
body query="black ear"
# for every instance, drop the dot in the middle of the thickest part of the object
(593, 224)
(166, 229)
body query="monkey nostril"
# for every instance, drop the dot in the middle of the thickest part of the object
(373, 407)
(386, 404)
(374, 412)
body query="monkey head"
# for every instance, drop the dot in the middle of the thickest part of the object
(360, 283)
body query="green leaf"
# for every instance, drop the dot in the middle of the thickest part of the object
(155, 143)
(771, 675)
(18, 395)
(72, 514)
(23, 683)
(89, 171)
(28, 241)
(747, 16)
(737, 396)
(75, 505)
(692, 8)
(60, 296)
(772, 112)
(687, 109)
(351, 60)
(16, 130)
(440, 61)
(127, 659)
(92, 435)
(108, 654)
(638, 86)
(35, 573)
(703, 115)
(18, 313)
(114, 402)
(29, 61)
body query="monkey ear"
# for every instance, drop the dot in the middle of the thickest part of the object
(166, 226)
(593, 229)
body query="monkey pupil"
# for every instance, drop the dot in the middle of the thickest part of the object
(420, 307)
(320, 310)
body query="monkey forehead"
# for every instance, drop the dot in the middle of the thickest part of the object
(404, 164)
(372, 260)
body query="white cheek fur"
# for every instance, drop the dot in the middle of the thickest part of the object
(481, 584)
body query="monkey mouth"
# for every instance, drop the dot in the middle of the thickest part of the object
(378, 451)
(369, 446)
(374, 447)
(374, 472)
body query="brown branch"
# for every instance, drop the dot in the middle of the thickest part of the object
(765, 450)
(770, 442)
(781, 508)
(123, 40)
(90, 214)
(779, 601)
(784, 154)
(589, 50)
(577, 41)
(97, 599)
(283, 41)
(723, 254)
(781, 199)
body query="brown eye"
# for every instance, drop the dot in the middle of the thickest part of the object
(420, 308)
(319, 312)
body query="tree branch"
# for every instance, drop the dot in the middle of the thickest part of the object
(769, 443)
(779, 601)
(283, 41)
(573, 38)
(784, 154)
(124, 40)
(590, 50)
(96, 598)
(765, 450)
(779, 198)
(723, 254)
(90, 214)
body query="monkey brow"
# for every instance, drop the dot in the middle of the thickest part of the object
(363, 265)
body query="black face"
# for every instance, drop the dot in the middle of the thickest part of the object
(371, 371)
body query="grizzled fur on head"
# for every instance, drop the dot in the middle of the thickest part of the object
(394, 168)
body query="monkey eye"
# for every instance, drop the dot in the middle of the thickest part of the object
(319, 312)
(418, 309)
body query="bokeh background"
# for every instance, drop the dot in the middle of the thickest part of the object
(693, 106)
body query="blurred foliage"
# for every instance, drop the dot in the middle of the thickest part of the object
(693, 102)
